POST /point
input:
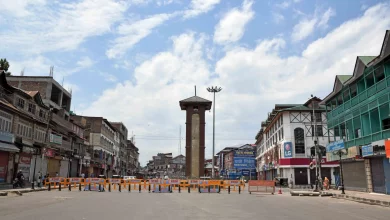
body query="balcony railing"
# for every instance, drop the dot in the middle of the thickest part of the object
(368, 139)
(62, 122)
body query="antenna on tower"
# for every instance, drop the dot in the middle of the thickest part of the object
(195, 90)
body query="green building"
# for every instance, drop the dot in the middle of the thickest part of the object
(359, 112)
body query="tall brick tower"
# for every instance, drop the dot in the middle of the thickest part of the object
(195, 108)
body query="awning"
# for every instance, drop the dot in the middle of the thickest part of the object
(8, 147)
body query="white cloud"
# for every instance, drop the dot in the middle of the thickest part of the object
(253, 80)
(231, 27)
(307, 26)
(85, 62)
(132, 32)
(62, 29)
(198, 7)
(109, 77)
(277, 17)
(283, 5)
(19, 8)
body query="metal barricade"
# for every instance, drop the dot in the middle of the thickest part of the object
(265, 186)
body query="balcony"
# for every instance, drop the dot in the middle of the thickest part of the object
(62, 122)
(66, 145)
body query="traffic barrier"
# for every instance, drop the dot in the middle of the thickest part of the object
(94, 184)
(74, 182)
(175, 184)
(134, 183)
(236, 186)
(209, 186)
(56, 181)
(265, 186)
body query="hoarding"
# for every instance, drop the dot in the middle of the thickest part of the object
(287, 149)
(244, 163)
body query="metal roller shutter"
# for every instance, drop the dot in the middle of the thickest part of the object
(355, 176)
(378, 175)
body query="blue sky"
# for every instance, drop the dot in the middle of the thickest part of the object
(133, 60)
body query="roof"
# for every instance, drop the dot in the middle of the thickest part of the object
(303, 108)
(367, 59)
(32, 93)
(195, 100)
(343, 78)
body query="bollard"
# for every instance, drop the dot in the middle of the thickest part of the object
(219, 189)
(89, 185)
(59, 185)
(139, 188)
(100, 188)
(189, 188)
(70, 186)
(109, 187)
(149, 188)
(239, 189)
(120, 187)
(159, 188)
(199, 189)
(80, 186)
(32, 185)
(228, 189)
(179, 188)
(129, 187)
(209, 188)
(49, 186)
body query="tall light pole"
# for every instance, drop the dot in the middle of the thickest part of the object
(213, 90)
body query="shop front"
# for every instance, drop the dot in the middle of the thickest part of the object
(379, 164)
(7, 152)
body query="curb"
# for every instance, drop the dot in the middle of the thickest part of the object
(21, 192)
(362, 200)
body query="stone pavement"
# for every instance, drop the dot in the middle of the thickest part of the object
(363, 197)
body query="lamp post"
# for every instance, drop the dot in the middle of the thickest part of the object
(340, 153)
(214, 90)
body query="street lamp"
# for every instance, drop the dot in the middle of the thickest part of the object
(341, 153)
(213, 90)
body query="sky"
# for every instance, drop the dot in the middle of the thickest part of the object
(134, 60)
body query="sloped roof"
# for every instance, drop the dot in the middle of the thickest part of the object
(343, 78)
(195, 100)
(367, 59)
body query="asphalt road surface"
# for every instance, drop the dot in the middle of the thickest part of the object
(66, 205)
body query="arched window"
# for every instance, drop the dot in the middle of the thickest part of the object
(321, 148)
(299, 136)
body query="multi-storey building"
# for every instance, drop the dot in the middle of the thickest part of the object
(359, 111)
(285, 143)
(122, 156)
(101, 136)
(132, 158)
(221, 159)
(23, 131)
(60, 152)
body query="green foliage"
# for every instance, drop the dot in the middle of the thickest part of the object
(4, 65)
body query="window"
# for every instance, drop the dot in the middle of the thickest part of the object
(317, 116)
(318, 130)
(357, 127)
(24, 130)
(342, 129)
(370, 80)
(336, 131)
(21, 103)
(375, 122)
(5, 121)
(31, 108)
(379, 74)
(299, 137)
(41, 113)
(353, 90)
(385, 116)
(340, 100)
(346, 95)
(333, 103)
(361, 85)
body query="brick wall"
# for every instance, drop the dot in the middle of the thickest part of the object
(32, 86)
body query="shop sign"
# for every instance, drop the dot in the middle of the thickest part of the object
(56, 139)
(367, 150)
(352, 152)
(24, 164)
(387, 148)
(335, 146)
(244, 153)
(49, 152)
(288, 149)
(6, 137)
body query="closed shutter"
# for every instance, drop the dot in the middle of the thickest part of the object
(355, 176)
(53, 166)
(378, 175)
(74, 168)
(300, 176)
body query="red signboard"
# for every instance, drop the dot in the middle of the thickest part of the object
(302, 161)
(49, 152)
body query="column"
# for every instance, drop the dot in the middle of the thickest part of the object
(367, 167)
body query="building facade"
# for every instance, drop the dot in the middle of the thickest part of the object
(359, 111)
(132, 158)
(285, 143)
(122, 156)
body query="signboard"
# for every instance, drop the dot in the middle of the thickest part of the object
(244, 153)
(175, 181)
(287, 149)
(55, 179)
(49, 152)
(387, 148)
(75, 180)
(235, 182)
(367, 150)
(352, 152)
(154, 181)
(56, 139)
(194, 181)
(244, 163)
(24, 164)
(95, 180)
(335, 146)
(115, 180)
(134, 181)
(6, 137)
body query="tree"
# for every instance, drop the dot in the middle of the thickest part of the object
(4, 65)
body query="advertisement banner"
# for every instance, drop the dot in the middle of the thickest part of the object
(352, 152)
(367, 150)
(387, 148)
(287, 149)
(244, 163)
(49, 152)
(175, 181)
(335, 146)
(154, 181)
(235, 182)
(75, 180)
(115, 180)
(244, 153)
(24, 164)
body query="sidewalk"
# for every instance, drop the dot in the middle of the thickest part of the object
(20, 191)
(363, 197)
